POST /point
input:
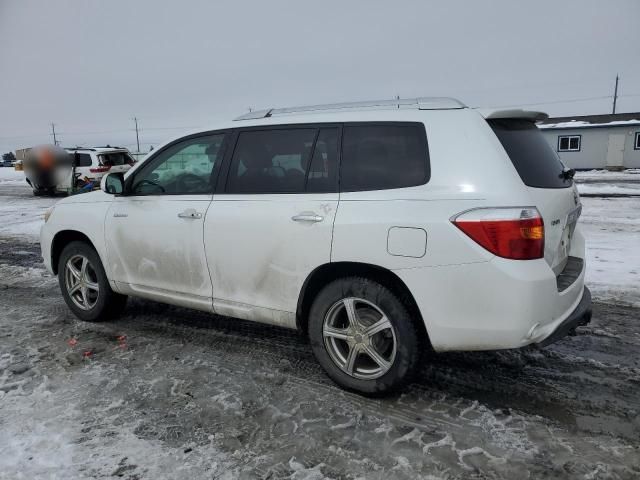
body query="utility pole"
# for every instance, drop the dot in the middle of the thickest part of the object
(615, 95)
(53, 129)
(135, 119)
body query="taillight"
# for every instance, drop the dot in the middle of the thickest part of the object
(516, 233)
(101, 169)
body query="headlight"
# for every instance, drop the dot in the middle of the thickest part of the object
(47, 214)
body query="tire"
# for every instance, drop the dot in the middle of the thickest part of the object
(333, 336)
(93, 300)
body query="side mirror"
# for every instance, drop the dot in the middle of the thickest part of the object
(112, 183)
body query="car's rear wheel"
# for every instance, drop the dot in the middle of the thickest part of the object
(363, 336)
(85, 286)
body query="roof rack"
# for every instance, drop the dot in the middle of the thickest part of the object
(93, 149)
(420, 103)
(79, 148)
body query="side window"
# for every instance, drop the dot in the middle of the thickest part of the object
(637, 142)
(323, 171)
(383, 156)
(185, 168)
(84, 160)
(271, 161)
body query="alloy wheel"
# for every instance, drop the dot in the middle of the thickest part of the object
(359, 338)
(81, 282)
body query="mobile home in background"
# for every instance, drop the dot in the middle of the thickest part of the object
(589, 142)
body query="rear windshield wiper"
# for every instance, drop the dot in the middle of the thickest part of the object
(568, 174)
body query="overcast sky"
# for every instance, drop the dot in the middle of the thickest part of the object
(91, 66)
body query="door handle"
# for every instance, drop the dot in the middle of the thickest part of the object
(190, 213)
(307, 217)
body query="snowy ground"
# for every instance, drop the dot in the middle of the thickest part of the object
(20, 214)
(599, 183)
(167, 392)
(628, 175)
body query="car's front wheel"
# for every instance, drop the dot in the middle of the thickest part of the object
(85, 286)
(363, 336)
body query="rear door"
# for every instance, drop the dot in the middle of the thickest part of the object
(272, 224)
(84, 164)
(540, 169)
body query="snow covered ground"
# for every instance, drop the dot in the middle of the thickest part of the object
(601, 189)
(21, 214)
(605, 183)
(612, 229)
(628, 175)
(169, 393)
(10, 176)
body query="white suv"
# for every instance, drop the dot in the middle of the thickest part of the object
(381, 230)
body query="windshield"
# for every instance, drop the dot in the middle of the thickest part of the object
(536, 162)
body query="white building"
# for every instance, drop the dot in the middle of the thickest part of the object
(595, 141)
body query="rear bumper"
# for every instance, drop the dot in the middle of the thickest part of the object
(580, 316)
(499, 304)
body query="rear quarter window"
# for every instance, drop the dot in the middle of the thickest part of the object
(384, 156)
(84, 160)
(531, 155)
(115, 159)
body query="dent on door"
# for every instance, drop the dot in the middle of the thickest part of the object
(261, 249)
(156, 246)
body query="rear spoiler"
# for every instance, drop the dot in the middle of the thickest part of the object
(515, 113)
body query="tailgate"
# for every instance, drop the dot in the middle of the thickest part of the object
(560, 209)
(552, 191)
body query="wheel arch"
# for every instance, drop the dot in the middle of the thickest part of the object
(62, 239)
(324, 274)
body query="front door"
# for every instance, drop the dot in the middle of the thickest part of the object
(273, 223)
(154, 233)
